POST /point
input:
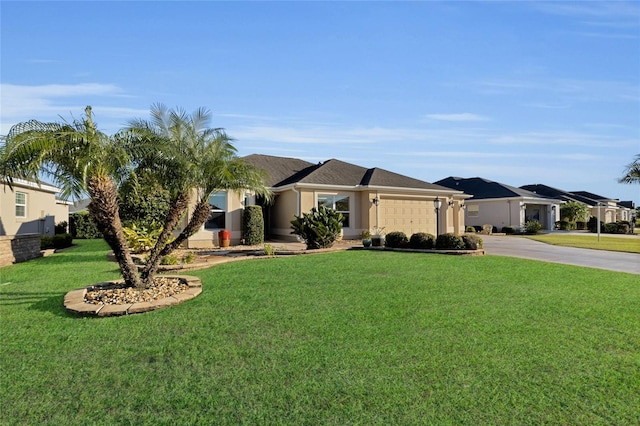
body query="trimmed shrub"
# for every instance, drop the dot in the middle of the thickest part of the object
(532, 227)
(253, 226)
(580, 225)
(478, 228)
(494, 230)
(449, 241)
(470, 229)
(81, 226)
(616, 228)
(320, 228)
(472, 242)
(61, 241)
(509, 230)
(46, 242)
(396, 239)
(422, 240)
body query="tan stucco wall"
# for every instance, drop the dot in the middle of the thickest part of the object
(42, 212)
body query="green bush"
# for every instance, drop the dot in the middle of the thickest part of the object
(565, 225)
(422, 240)
(46, 242)
(449, 241)
(592, 224)
(509, 230)
(170, 259)
(81, 226)
(581, 225)
(320, 228)
(472, 242)
(62, 241)
(470, 229)
(61, 227)
(189, 258)
(396, 239)
(253, 226)
(532, 227)
(616, 228)
(142, 238)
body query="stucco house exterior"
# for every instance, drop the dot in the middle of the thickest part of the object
(610, 209)
(30, 208)
(367, 198)
(501, 205)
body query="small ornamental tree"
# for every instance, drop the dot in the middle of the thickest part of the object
(320, 228)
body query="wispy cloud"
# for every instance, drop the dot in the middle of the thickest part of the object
(461, 117)
(48, 102)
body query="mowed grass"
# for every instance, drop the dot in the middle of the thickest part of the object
(629, 245)
(355, 337)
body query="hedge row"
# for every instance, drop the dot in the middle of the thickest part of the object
(426, 241)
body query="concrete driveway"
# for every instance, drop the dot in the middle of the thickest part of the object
(529, 249)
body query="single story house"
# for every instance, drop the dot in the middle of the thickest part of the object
(30, 208)
(501, 205)
(367, 198)
(611, 210)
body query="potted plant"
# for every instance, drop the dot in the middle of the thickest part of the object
(377, 237)
(366, 238)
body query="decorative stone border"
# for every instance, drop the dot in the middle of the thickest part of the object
(74, 300)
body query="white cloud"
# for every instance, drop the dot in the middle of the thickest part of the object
(461, 117)
(50, 101)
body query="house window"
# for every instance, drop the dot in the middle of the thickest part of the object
(339, 203)
(218, 205)
(21, 204)
(473, 210)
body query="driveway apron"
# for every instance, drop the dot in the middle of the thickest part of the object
(530, 249)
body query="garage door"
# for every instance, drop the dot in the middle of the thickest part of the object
(408, 216)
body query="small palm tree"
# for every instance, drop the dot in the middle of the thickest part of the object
(632, 172)
(190, 160)
(80, 160)
(177, 149)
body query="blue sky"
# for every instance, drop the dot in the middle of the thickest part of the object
(516, 92)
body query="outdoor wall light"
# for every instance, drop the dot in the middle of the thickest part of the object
(451, 203)
(376, 201)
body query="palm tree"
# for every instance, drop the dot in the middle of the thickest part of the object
(190, 160)
(178, 150)
(632, 173)
(80, 160)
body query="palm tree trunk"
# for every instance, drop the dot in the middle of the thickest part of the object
(178, 206)
(199, 216)
(103, 209)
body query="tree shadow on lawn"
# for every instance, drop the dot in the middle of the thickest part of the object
(52, 302)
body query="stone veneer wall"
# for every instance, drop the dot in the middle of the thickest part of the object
(18, 248)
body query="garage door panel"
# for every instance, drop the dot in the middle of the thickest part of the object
(408, 216)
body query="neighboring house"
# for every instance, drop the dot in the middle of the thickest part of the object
(609, 209)
(501, 205)
(367, 198)
(30, 208)
(627, 210)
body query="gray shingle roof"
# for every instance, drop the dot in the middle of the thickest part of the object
(285, 171)
(485, 189)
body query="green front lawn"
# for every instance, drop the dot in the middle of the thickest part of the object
(629, 245)
(355, 337)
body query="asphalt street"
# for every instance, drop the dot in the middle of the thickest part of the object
(529, 249)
